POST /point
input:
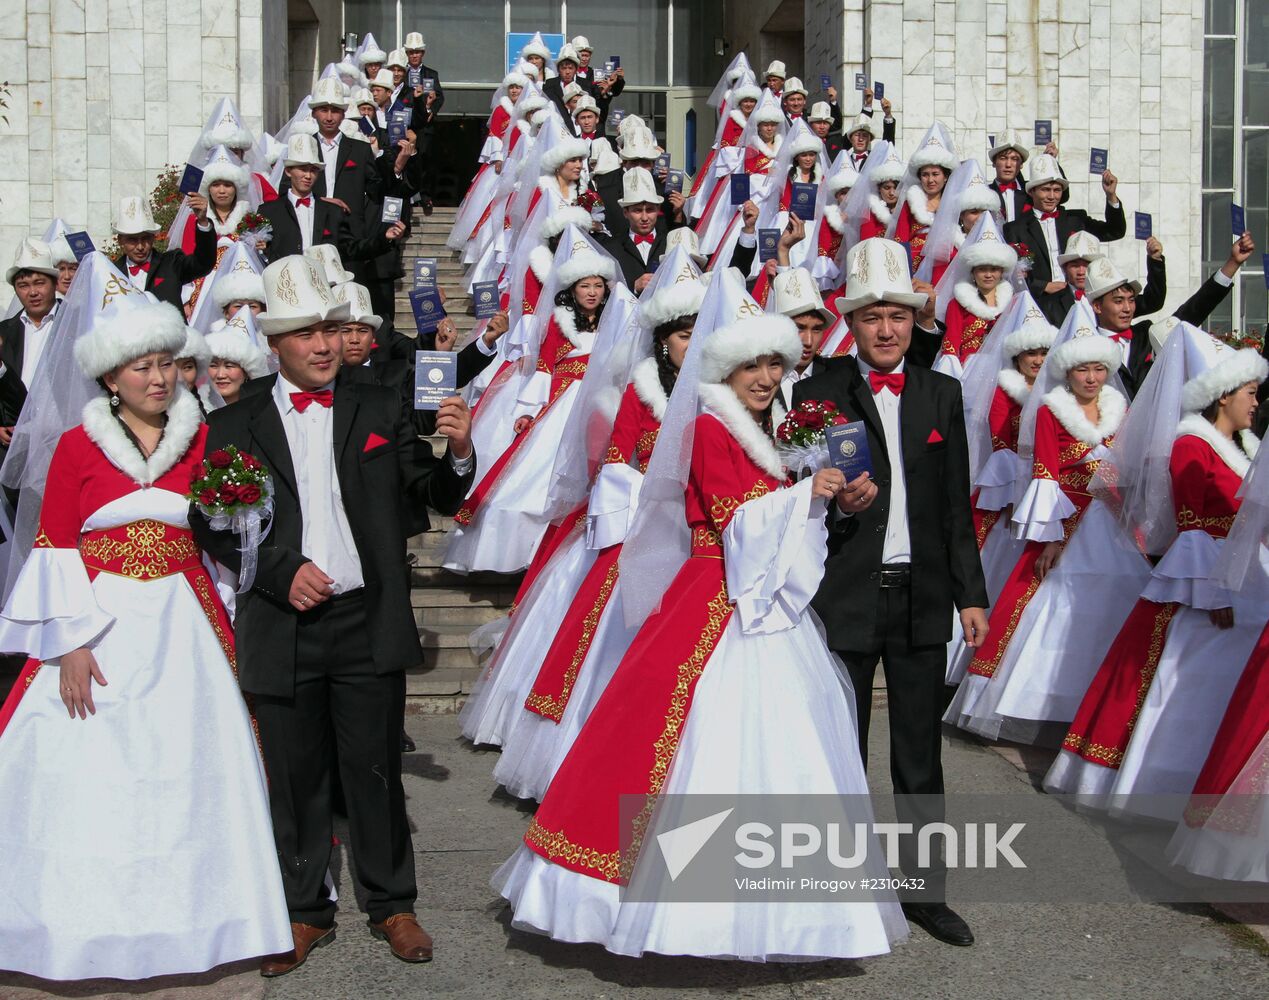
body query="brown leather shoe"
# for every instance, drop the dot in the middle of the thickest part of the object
(307, 937)
(408, 941)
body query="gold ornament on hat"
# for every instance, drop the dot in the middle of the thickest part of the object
(893, 270)
(747, 307)
(988, 234)
(286, 289)
(319, 283)
(1083, 331)
(794, 285)
(859, 268)
(116, 286)
(1033, 313)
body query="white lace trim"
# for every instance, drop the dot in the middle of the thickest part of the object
(103, 429)
(1110, 404)
(721, 402)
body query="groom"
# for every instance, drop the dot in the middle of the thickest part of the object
(325, 630)
(901, 548)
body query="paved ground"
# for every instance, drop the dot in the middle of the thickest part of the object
(463, 831)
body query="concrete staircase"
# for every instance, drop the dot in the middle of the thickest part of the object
(447, 606)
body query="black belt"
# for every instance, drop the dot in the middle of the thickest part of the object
(895, 576)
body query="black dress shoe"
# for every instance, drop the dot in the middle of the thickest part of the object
(407, 744)
(940, 921)
(427, 206)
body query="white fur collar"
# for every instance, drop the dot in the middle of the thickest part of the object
(1226, 450)
(581, 340)
(833, 216)
(541, 260)
(230, 226)
(879, 210)
(757, 145)
(103, 429)
(1014, 385)
(967, 295)
(525, 127)
(647, 386)
(1111, 405)
(737, 117)
(916, 199)
(504, 102)
(958, 237)
(722, 403)
(549, 185)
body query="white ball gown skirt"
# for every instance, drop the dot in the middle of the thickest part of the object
(137, 842)
(998, 555)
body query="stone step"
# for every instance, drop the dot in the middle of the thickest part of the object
(444, 636)
(433, 576)
(460, 598)
(462, 617)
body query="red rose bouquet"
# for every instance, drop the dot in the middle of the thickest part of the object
(800, 437)
(1025, 257)
(235, 493)
(254, 229)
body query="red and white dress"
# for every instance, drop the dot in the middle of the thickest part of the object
(828, 244)
(723, 691)
(1046, 639)
(480, 191)
(1149, 717)
(969, 320)
(588, 644)
(137, 842)
(723, 159)
(913, 224)
(878, 221)
(720, 216)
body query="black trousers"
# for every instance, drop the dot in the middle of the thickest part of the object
(338, 694)
(914, 691)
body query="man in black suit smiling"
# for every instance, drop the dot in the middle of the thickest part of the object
(901, 550)
(324, 628)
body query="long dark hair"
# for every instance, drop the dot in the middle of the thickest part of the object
(666, 372)
(565, 298)
(1213, 410)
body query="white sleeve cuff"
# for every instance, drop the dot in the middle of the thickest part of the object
(52, 609)
(1041, 511)
(462, 466)
(1223, 279)
(613, 502)
(488, 350)
(747, 240)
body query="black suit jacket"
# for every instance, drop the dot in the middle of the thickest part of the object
(12, 391)
(358, 179)
(173, 268)
(369, 472)
(330, 225)
(1056, 306)
(946, 571)
(627, 255)
(422, 118)
(1026, 229)
(887, 124)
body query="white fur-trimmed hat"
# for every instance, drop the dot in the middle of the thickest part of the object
(990, 251)
(1230, 370)
(195, 347)
(768, 113)
(371, 53)
(563, 151)
(561, 218)
(60, 252)
(1087, 347)
(746, 340)
(1034, 334)
(978, 196)
(514, 79)
(889, 169)
(585, 264)
(677, 300)
(806, 142)
(360, 309)
(237, 286)
(129, 323)
(226, 128)
(933, 154)
(222, 165)
(237, 339)
(843, 180)
(746, 92)
(535, 46)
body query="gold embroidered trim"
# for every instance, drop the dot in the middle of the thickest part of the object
(986, 668)
(148, 553)
(554, 845)
(1187, 518)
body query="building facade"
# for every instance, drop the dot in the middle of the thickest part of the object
(101, 94)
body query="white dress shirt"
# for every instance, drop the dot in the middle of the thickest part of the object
(643, 249)
(1049, 228)
(34, 340)
(327, 538)
(330, 160)
(791, 378)
(898, 543)
(304, 214)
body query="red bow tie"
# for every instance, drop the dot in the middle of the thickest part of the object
(1079, 293)
(1009, 186)
(135, 269)
(302, 400)
(637, 239)
(894, 382)
(1121, 336)
(588, 135)
(1046, 215)
(303, 201)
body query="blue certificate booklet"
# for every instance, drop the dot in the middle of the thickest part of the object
(768, 242)
(425, 272)
(848, 449)
(1144, 226)
(802, 201)
(81, 245)
(739, 189)
(428, 311)
(191, 179)
(435, 377)
(674, 181)
(484, 296)
(1097, 160)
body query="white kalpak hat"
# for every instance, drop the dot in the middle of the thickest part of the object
(226, 128)
(222, 165)
(357, 298)
(990, 251)
(638, 188)
(237, 339)
(685, 237)
(820, 112)
(585, 103)
(1045, 171)
(1036, 333)
(878, 271)
(414, 42)
(301, 151)
(640, 144)
(1104, 277)
(326, 257)
(584, 264)
(1228, 369)
(573, 90)
(795, 292)
(775, 69)
(383, 79)
(1009, 139)
(396, 58)
(129, 323)
(134, 217)
(862, 123)
(568, 54)
(296, 296)
(370, 51)
(329, 93)
(793, 85)
(582, 44)
(359, 97)
(629, 124)
(1081, 245)
(747, 339)
(195, 347)
(33, 255)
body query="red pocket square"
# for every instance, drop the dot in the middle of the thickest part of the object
(156, 282)
(325, 232)
(374, 441)
(935, 437)
(350, 163)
